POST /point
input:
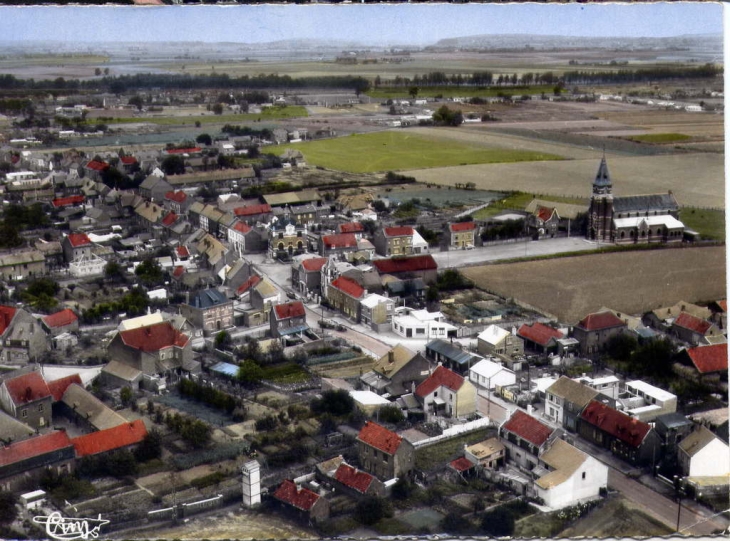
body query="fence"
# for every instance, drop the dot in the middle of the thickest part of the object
(185, 509)
(454, 431)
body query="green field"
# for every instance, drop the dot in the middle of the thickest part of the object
(660, 138)
(285, 373)
(272, 113)
(385, 93)
(708, 223)
(396, 150)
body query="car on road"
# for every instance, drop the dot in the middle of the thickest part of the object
(290, 293)
(329, 324)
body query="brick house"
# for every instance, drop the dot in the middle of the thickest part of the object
(358, 483)
(461, 234)
(27, 398)
(539, 337)
(565, 400)
(356, 228)
(340, 244)
(524, 438)
(121, 436)
(288, 319)
(497, 341)
(692, 329)
(306, 504)
(708, 360)
(177, 201)
(23, 463)
(21, 336)
(632, 440)
(420, 266)
(384, 453)
(543, 222)
(344, 295)
(394, 241)
(397, 372)
(76, 246)
(447, 393)
(154, 349)
(595, 330)
(209, 310)
(61, 322)
(306, 275)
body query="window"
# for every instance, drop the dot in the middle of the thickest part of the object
(40, 407)
(583, 475)
(24, 413)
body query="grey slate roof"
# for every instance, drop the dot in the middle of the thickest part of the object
(603, 178)
(452, 353)
(643, 203)
(208, 298)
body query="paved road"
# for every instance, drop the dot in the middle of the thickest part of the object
(528, 248)
(664, 509)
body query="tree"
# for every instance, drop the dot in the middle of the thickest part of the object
(654, 358)
(372, 509)
(379, 206)
(402, 489)
(413, 92)
(204, 139)
(447, 117)
(222, 340)
(455, 523)
(97, 71)
(150, 273)
(150, 447)
(217, 109)
(621, 346)
(249, 373)
(173, 165)
(8, 507)
(498, 523)
(137, 101)
(114, 272)
(337, 402)
(391, 414)
(126, 395)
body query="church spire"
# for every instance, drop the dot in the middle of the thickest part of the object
(602, 183)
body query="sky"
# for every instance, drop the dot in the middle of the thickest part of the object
(417, 24)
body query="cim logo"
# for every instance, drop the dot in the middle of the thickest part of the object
(64, 528)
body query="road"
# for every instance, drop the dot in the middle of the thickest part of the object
(525, 248)
(664, 509)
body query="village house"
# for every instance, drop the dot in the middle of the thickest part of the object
(354, 228)
(287, 239)
(376, 312)
(22, 265)
(252, 214)
(693, 330)
(384, 453)
(86, 411)
(396, 373)
(209, 310)
(452, 357)
(154, 349)
(27, 398)
(304, 503)
(488, 375)
(21, 336)
(703, 454)
(524, 438)
(572, 476)
(462, 235)
(123, 436)
(499, 342)
(306, 275)
(595, 330)
(410, 323)
(421, 266)
(76, 246)
(447, 393)
(661, 319)
(543, 222)
(708, 361)
(338, 245)
(288, 319)
(488, 454)
(394, 241)
(263, 295)
(672, 428)
(116, 375)
(23, 463)
(154, 188)
(177, 201)
(539, 337)
(565, 400)
(344, 295)
(719, 313)
(245, 239)
(357, 483)
(626, 437)
(645, 402)
(61, 322)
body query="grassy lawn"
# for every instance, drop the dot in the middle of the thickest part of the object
(660, 138)
(433, 455)
(457, 92)
(285, 373)
(708, 223)
(518, 201)
(272, 113)
(396, 150)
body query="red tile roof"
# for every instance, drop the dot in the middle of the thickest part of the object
(619, 425)
(177, 197)
(182, 251)
(154, 337)
(400, 231)
(441, 377)
(461, 464)
(289, 310)
(7, 313)
(242, 227)
(178, 271)
(110, 439)
(248, 284)
(694, 324)
(351, 227)
(539, 333)
(462, 226)
(59, 386)
(97, 166)
(27, 388)
(353, 478)
(348, 286)
(68, 201)
(190, 150)
(60, 319)
(528, 428)
(169, 219)
(78, 239)
(252, 210)
(128, 160)
(723, 305)
(314, 264)
(302, 498)
(405, 264)
(33, 447)
(545, 213)
(600, 320)
(709, 359)
(379, 437)
(343, 240)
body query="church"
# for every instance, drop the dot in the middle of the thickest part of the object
(633, 219)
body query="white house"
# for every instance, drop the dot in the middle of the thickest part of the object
(573, 476)
(420, 246)
(497, 341)
(422, 324)
(702, 454)
(646, 402)
(486, 374)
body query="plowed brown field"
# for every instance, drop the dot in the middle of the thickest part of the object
(631, 282)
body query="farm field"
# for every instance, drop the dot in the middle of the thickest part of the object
(616, 518)
(696, 179)
(391, 150)
(633, 282)
(275, 113)
(384, 93)
(695, 124)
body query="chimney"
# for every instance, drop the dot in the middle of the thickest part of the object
(391, 356)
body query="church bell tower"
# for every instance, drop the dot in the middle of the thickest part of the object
(600, 213)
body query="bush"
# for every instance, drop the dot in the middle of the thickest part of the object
(372, 509)
(391, 414)
(338, 403)
(498, 523)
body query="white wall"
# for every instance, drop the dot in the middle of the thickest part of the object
(712, 460)
(577, 488)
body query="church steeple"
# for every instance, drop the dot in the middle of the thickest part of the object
(602, 183)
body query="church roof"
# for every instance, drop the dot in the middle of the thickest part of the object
(644, 203)
(603, 178)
